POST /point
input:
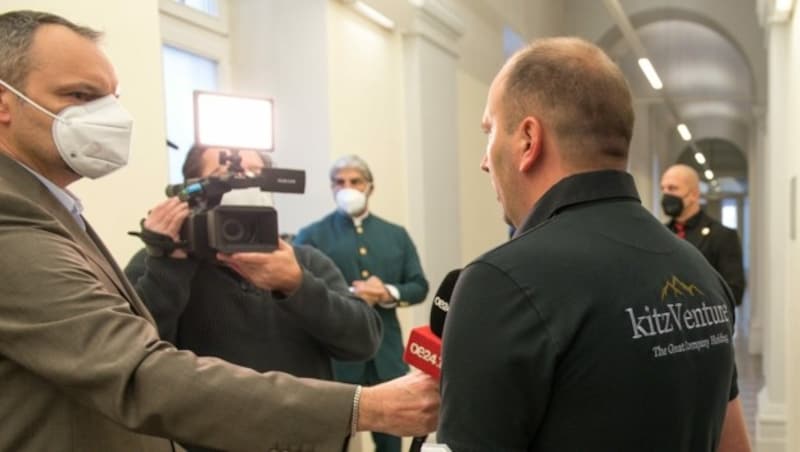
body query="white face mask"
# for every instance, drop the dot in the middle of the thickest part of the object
(351, 201)
(252, 196)
(94, 138)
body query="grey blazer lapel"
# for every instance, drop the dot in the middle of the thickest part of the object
(21, 181)
(109, 266)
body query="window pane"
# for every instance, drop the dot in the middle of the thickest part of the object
(184, 72)
(730, 214)
(210, 7)
(512, 41)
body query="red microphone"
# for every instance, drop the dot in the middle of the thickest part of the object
(424, 349)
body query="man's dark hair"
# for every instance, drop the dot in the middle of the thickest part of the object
(573, 87)
(193, 165)
(17, 29)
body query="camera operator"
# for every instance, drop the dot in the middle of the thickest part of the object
(287, 310)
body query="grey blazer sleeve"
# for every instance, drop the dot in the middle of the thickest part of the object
(63, 322)
(348, 327)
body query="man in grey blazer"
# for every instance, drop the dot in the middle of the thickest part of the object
(81, 364)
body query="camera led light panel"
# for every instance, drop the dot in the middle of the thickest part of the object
(236, 122)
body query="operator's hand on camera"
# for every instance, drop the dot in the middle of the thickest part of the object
(277, 270)
(166, 218)
(372, 290)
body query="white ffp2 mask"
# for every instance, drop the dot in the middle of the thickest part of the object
(94, 139)
(351, 201)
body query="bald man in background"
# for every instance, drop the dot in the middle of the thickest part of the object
(680, 186)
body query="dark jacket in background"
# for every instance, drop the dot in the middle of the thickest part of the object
(721, 247)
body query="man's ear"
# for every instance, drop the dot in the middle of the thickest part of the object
(6, 97)
(530, 140)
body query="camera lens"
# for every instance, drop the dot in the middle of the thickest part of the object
(233, 231)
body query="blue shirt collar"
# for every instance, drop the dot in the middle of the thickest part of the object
(65, 197)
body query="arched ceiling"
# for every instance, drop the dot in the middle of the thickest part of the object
(703, 53)
(723, 155)
(703, 73)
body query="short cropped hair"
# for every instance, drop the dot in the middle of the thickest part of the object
(17, 29)
(351, 162)
(573, 87)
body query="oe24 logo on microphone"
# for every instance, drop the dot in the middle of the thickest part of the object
(425, 354)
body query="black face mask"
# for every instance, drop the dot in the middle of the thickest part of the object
(672, 205)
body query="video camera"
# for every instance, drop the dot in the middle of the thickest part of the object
(212, 228)
(233, 122)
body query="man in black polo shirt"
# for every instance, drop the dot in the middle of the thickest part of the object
(594, 328)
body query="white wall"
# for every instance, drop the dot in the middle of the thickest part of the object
(640, 160)
(482, 223)
(116, 203)
(789, 161)
(279, 50)
(367, 106)
(778, 418)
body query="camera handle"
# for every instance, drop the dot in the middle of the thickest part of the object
(156, 244)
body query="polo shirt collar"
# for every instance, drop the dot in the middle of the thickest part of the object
(578, 189)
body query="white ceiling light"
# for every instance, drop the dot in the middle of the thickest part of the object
(650, 73)
(373, 14)
(684, 131)
(782, 10)
(701, 159)
(709, 174)
(784, 6)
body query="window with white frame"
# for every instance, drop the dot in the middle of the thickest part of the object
(512, 41)
(210, 7)
(184, 72)
(195, 56)
(730, 213)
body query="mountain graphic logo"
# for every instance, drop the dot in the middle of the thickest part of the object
(679, 288)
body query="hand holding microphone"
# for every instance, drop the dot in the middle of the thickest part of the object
(424, 349)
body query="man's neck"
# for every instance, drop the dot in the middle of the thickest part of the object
(59, 178)
(358, 219)
(687, 214)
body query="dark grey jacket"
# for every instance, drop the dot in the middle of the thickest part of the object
(208, 309)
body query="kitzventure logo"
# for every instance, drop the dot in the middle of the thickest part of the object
(684, 308)
(678, 288)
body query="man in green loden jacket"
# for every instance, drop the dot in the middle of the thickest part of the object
(380, 262)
